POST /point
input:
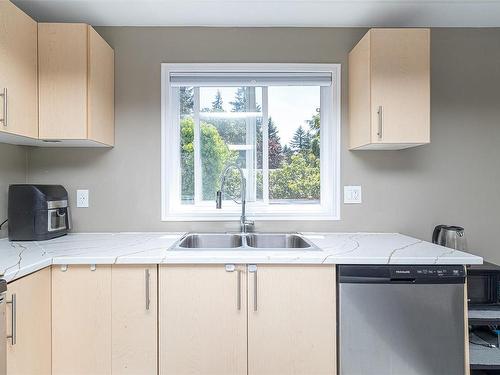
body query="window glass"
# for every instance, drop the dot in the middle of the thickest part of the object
(230, 121)
(294, 144)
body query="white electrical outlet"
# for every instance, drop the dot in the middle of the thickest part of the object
(352, 194)
(82, 198)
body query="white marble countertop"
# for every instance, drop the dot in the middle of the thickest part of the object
(21, 258)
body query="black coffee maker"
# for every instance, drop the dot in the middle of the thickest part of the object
(37, 212)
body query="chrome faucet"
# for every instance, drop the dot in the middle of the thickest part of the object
(244, 223)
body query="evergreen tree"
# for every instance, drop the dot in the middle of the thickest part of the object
(186, 100)
(273, 130)
(217, 103)
(287, 153)
(301, 140)
(240, 103)
(275, 149)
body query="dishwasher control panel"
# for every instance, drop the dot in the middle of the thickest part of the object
(410, 274)
(405, 272)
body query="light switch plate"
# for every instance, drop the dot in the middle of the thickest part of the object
(352, 194)
(82, 198)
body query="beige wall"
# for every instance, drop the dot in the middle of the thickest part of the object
(12, 171)
(453, 180)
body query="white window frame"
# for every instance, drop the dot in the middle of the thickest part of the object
(329, 207)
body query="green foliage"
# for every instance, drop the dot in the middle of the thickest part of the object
(299, 179)
(214, 155)
(187, 159)
(314, 128)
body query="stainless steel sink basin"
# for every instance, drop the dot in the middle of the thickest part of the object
(211, 241)
(243, 242)
(277, 241)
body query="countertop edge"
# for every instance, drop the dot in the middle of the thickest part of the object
(21, 259)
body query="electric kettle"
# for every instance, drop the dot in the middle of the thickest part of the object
(450, 236)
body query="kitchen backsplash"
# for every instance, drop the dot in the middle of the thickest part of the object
(12, 171)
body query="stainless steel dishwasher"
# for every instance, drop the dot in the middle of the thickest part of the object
(401, 320)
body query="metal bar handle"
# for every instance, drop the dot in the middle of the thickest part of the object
(148, 288)
(238, 297)
(13, 335)
(4, 97)
(380, 113)
(253, 269)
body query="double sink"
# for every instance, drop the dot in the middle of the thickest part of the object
(244, 241)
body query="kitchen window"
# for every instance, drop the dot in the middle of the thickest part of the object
(280, 123)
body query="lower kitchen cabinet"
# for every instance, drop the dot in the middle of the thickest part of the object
(28, 322)
(284, 325)
(135, 320)
(81, 320)
(104, 320)
(203, 318)
(291, 320)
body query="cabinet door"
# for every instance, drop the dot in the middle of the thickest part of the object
(400, 75)
(292, 320)
(62, 64)
(29, 351)
(81, 320)
(18, 71)
(134, 326)
(203, 320)
(101, 100)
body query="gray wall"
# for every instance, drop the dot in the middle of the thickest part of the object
(453, 180)
(12, 171)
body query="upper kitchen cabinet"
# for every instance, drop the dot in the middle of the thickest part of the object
(76, 85)
(389, 90)
(18, 74)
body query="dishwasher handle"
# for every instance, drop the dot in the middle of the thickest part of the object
(376, 280)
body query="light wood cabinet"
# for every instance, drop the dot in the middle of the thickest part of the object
(76, 84)
(203, 318)
(18, 73)
(292, 320)
(29, 351)
(209, 324)
(134, 322)
(81, 320)
(389, 90)
(104, 320)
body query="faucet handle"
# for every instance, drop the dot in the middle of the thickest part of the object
(249, 225)
(218, 200)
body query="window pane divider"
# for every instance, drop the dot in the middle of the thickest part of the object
(265, 146)
(251, 133)
(197, 147)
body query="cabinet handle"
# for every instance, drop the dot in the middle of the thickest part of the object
(380, 121)
(4, 97)
(253, 269)
(238, 297)
(13, 335)
(148, 282)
